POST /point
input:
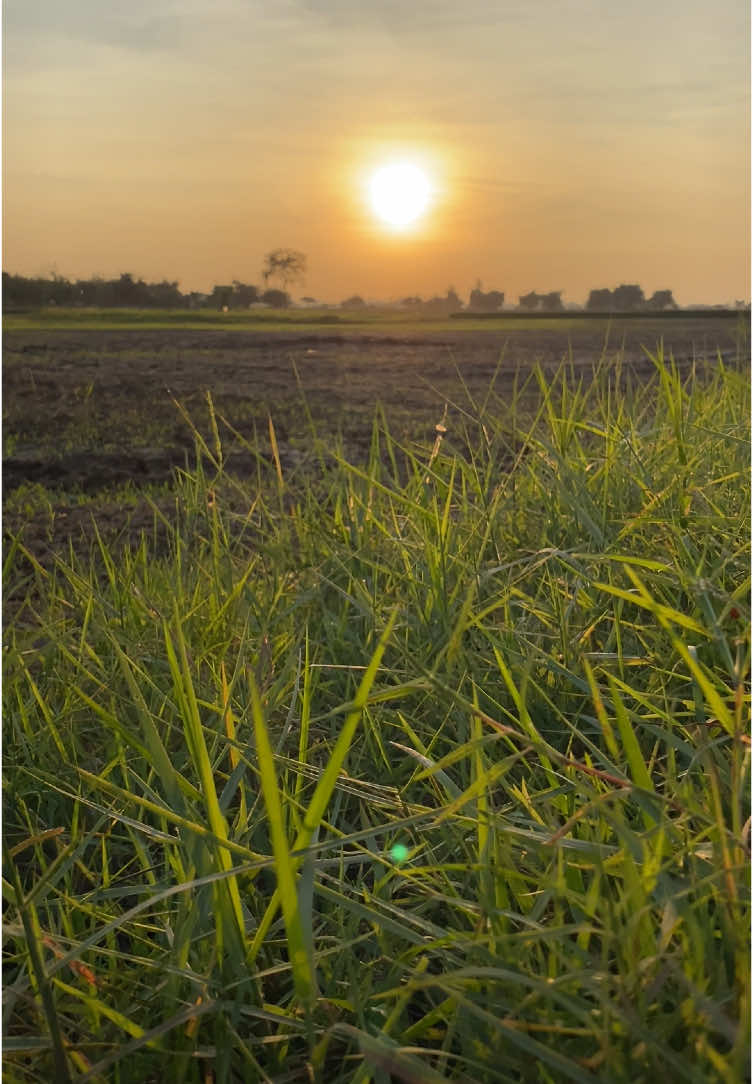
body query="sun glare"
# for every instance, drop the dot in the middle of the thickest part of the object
(400, 193)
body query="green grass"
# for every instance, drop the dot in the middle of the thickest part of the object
(435, 768)
(270, 321)
(124, 318)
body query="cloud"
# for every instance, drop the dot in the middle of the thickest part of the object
(140, 26)
(424, 19)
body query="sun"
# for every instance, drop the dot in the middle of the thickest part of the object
(400, 193)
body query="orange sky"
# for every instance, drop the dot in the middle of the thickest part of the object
(572, 146)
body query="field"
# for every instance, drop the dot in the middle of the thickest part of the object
(376, 701)
(90, 417)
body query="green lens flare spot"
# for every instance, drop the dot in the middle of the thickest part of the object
(399, 853)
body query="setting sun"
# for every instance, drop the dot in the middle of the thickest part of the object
(400, 193)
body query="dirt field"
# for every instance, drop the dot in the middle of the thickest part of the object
(89, 417)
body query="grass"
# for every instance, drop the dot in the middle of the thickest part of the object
(272, 321)
(330, 320)
(432, 768)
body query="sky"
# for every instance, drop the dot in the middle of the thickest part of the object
(569, 144)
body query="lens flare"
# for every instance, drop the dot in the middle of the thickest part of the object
(398, 853)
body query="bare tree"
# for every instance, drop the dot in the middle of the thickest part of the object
(284, 264)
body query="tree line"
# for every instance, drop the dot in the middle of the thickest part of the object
(625, 298)
(284, 267)
(629, 299)
(125, 291)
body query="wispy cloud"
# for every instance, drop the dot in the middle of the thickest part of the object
(422, 17)
(140, 25)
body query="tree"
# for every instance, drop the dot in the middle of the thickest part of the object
(442, 306)
(243, 295)
(18, 290)
(96, 291)
(600, 301)
(277, 299)
(661, 300)
(489, 302)
(165, 295)
(629, 298)
(529, 301)
(126, 290)
(221, 297)
(354, 302)
(284, 264)
(552, 302)
(454, 304)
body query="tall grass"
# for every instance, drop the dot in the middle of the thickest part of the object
(433, 768)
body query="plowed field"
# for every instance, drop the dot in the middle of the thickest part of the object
(90, 417)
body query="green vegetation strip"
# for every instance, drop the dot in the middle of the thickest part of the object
(368, 320)
(429, 769)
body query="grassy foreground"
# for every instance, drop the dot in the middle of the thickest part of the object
(436, 769)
